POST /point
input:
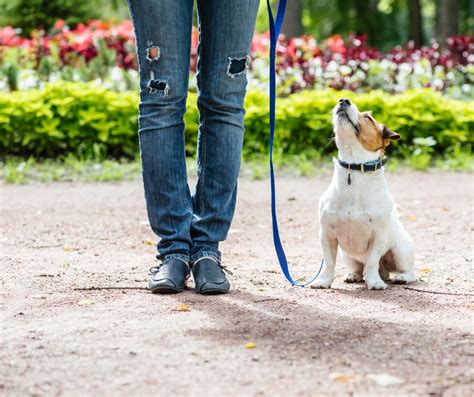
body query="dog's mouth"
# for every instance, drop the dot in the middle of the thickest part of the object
(342, 111)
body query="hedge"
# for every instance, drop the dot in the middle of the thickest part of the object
(93, 122)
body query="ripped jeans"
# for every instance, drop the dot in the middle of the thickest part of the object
(191, 225)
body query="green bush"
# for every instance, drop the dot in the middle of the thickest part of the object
(31, 14)
(95, 123)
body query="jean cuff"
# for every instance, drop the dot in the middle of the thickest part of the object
(183, 257)
(202, 254)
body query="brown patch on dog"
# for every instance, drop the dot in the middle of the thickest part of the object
(373, 135)
(388, 262)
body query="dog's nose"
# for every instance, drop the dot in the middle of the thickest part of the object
(344, 101)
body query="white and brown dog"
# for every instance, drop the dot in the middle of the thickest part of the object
(356, 213)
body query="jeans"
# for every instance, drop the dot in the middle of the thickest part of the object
(191, 225)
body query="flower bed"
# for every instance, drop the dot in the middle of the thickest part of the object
(105, 53)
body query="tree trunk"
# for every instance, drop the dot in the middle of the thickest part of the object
(416, 24)
(367, 19)
(448, 19)
(293, 26)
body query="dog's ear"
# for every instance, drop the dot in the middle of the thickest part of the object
(388, 135)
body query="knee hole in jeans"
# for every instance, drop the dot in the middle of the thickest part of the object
(237, 66)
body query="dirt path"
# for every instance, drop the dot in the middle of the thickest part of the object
(344, 341)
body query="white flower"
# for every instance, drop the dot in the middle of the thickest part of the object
(116, 74)
(345, 70)
(405, 68)
(27, 79)
(332, 66)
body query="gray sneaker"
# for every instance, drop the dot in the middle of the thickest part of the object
(169, 277)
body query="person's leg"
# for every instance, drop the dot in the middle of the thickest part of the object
(163, 35)
(225, 35)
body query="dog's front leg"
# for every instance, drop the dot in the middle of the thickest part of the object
(371, 268)
(329, 247)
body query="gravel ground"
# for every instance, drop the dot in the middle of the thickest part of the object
(265, 338)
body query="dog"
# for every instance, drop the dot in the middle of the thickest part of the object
(357, 213)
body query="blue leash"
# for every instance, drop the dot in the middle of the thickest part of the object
(275, 27)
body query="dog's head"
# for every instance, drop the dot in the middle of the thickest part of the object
(359, 130)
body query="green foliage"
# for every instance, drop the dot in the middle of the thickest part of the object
(84, 119)
(30, 14)
(92, 122)
(68, 169)
(304, 120)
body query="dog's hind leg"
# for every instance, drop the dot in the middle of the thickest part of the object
(356, 268)
(404, 256)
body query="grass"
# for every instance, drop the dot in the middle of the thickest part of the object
(70, 169)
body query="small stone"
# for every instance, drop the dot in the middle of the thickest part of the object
(384, 379)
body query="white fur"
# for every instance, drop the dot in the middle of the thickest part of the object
(360, 219)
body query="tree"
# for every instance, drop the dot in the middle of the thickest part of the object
(292, 26)
(416, 26)
(448, 18)
(367, 19)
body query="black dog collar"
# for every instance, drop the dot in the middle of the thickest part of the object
(373, 165)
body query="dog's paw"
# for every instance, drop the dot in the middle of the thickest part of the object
(321, 283)
(353, 278)
(404, 278)
(376, 285)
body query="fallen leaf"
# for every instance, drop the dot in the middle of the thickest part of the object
(67, 249)
(182, 307)
(262, 289)
(412, 217)
(424, 279)
(86, 302)
(470, 306)
(343, 378)
(426, 270)
(384, 379)
(250, 345)
(148, 241)
(446, 208)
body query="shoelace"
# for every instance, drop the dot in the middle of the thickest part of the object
(224, 268)
(155, 269)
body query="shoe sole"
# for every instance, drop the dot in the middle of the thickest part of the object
(212, 292)
(166, 290)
